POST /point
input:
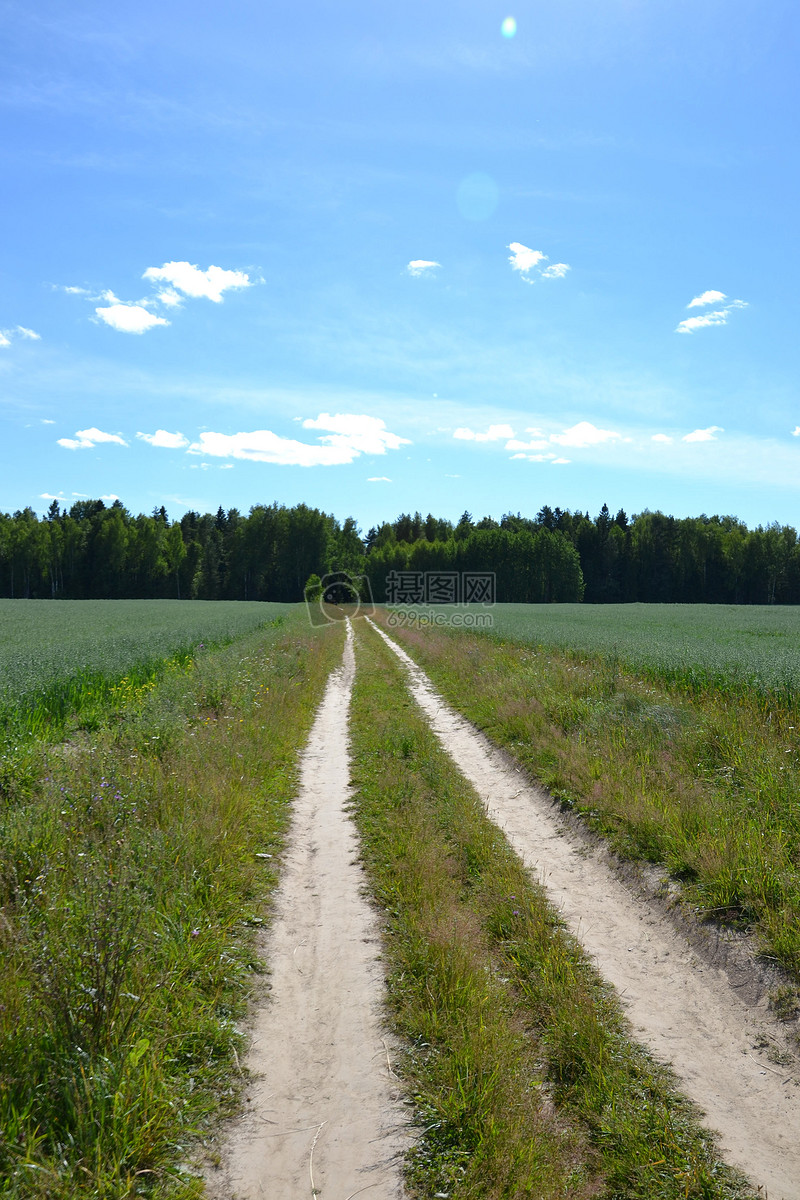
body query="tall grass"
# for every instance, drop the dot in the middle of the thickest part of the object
(523, 1077)
(705, 784)
(131, 881)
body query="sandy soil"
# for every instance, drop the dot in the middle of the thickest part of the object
(684, 1009)
(323, 1114)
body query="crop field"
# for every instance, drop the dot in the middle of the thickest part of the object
(725, 645)
(59, 655)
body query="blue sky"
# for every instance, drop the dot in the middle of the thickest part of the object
(438, 257)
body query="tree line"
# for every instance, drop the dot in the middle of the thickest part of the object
(90, 550)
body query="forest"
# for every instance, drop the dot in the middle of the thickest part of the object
(94, 551)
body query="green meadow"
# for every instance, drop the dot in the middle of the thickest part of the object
(59, 657)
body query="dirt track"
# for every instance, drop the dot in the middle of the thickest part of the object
(685, 1010)
(322, 1114)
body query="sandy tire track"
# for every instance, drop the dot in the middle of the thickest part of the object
(681, 1007)
(323, 1113)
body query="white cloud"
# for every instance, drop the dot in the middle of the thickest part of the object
(704, 435)
(549, 457)
(583, 434)
(661, 437)
(50, 496)
(495, 433)
(85, 439)
(418, 266)
(170, 298)
(557, 462)
(110, 498)
(718, 317)
(360, 433)
(379, 479)
(47, 421)
(129, 318)
(76, 291)
(165, 440)
(8, 335)
(194, 282)
(556, 271)
(706, 298)
(796, 431)
(349, 435)
(523, 259)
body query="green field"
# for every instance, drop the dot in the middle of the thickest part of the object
(55, 654)
(721, 644)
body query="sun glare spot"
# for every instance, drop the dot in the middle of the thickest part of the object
(509, 27)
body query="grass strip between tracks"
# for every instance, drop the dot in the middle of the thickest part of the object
(521, 1071)
(132, 879)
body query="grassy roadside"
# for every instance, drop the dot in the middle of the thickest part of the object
(522, 1075)
(706, 784)
(131, 879)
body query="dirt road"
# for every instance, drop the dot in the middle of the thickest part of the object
(685, 1010)
(322, 1113)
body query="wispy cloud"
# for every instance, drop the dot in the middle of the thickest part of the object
(709, 297)
(165, 440)
(661, 437)
(421, 266)
(495, 433)
(85, 439)
(703, 435)
(7, 336)
(718, 317)
(549, 456)
(796, 431)
(379, 479)
(525, 260)
(196, 283)
(347, 436)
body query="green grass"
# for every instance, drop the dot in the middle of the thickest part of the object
(704, 781)
(524, 1080)
(729, 647)
(133, 876)
(61, 657)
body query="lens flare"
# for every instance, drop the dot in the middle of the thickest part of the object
(509, 27)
